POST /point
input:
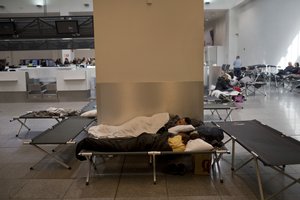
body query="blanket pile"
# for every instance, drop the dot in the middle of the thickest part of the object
(131, 128)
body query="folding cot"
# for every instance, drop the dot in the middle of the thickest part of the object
(23, 119)
(215, 107)
(216, 156)
(257, 86)
(33, 116)
(61, 133)
(255, 80)
(265, 144)
(90, 106)
(294, 83)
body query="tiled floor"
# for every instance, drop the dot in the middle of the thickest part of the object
(280, 109)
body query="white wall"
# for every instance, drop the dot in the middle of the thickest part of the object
(219, 30)
(261, 32)
(223, 4)
(87, 53)
(269, 32)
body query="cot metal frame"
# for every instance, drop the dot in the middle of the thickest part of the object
(23, 120)
(266, 157)
(30, 116)
(227, 107)
(216, 156)
(255, 87)
(60, 134)
(294, 83)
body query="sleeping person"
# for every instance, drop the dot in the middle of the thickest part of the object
(159, 122)
(143, 142)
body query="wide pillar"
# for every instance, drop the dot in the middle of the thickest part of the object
(149, 58)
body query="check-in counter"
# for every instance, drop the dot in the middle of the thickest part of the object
(67, 78)
(13, 81)
(44, 74)
(72, 80)
(61, 83)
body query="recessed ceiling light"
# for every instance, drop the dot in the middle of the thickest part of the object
(207, 2)
(39, 6)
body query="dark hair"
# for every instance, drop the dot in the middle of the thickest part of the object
(187, 120)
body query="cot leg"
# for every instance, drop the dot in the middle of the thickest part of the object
(216, 160)
(56, 159)
(150, 160)
(22, 124)
(261, 192)
(219, 115)
(233, 154)
(154, 168)
(228, 115)
(281, 170)
(89, 158)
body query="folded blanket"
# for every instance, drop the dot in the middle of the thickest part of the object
(217, 93)
(131, 128)
(55, 112)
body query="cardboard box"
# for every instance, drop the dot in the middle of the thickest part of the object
(202, 164)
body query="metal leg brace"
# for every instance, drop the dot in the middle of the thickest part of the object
(49, 154)
(23, 124)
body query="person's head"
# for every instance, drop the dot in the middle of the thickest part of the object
(237, 57)
(231, 75)
(296, 64)
(184, 121)
(290, 64)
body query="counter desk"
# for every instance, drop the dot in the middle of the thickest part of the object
(66, 79)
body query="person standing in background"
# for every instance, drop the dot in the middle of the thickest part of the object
(237, 64)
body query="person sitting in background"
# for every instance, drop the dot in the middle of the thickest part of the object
(296, 72)
(2, 67)
(296, 68)
(30, 64)
(66, 62)
(43, 63)
(289, 69)
(58, 62)
(223, 83)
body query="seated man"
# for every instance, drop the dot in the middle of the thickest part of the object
(288, 70)
(223, 83)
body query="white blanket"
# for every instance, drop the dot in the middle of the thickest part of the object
(217, 93)
(131, 128)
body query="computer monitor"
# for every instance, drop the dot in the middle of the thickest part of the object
(67, 27)
(35, 62)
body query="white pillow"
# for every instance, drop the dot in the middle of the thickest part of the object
(198, 145)
(181, 128)
(90, 113)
